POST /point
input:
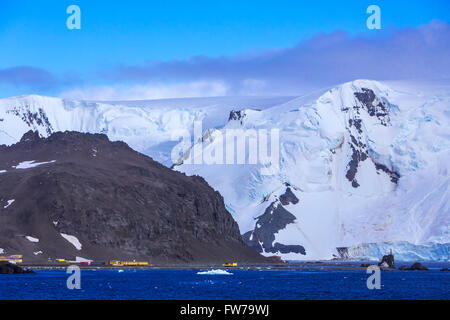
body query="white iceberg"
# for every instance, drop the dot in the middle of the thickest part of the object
(215, 272)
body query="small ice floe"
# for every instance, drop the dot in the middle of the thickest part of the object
(94, 152)
(73, 240)
(55, 223)
(37, 253)
(31, 164)
(32, 239)
(2, 171)
(9, 202)
(215, 272)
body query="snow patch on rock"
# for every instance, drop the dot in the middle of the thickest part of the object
(31, 164)
(9, 202)
(73, 240)
(32, 239)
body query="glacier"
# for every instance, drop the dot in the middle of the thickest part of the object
(404, 251)
(366, 161)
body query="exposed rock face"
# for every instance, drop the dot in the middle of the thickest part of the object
(9, 268)
(274, 219)
(376, 108)
(32, 119)
(239, 116)
(236, 115)
(110, 202)
(387, 261)
(342, 254)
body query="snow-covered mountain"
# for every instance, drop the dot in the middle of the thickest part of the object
(147, 126)
(362, 166)
(363, 163)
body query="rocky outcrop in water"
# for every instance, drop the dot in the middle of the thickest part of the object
(415, 266)
(387, 261)
(9, 268)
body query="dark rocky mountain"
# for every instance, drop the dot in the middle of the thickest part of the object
(80, 195)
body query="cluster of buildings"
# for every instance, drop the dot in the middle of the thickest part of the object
(15, 258)
(19, 259)
(102, 263)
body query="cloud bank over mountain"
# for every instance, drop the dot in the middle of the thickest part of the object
(323, 60)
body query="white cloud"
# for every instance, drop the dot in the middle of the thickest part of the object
(149, 91)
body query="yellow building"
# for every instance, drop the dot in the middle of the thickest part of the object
(15, 258)
(128, 263)
(230, 264)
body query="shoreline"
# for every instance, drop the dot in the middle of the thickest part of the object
(334, 265)
(314, 266)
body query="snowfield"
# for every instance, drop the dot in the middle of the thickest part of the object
(362, 166)
(73, 240)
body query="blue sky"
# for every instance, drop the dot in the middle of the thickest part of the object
(152, 38)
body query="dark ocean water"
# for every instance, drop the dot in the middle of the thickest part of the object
(254, 284)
